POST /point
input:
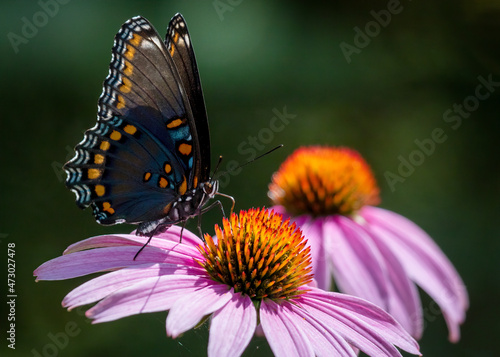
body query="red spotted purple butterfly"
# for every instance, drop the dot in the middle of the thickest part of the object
(147, 160)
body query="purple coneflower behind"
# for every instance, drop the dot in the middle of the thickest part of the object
(255, 273)
(370, 252)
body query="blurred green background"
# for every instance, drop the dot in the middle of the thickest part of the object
(255, 58)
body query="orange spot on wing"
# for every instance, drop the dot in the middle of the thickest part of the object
(147, 176)
(99, 190)
(163, 182)
(93, 173)
(195, 182)
(128, 69)
(106, 207)
(167, 208)
(172, 46)
(104, 145)
(185, 149)
(115, 135)
(127, 85)
(183, 186)
(130, 129)
(130, 53)
(120, 102)
(175, 123)
(136, 40)
(98, 158)
(167, 168)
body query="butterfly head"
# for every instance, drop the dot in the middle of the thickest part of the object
(210, 188)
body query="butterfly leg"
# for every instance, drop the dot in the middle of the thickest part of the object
(227, 196)
(160, 228)
(144, 246)
(216, 203)
(219, 203)
(199, 228)
(182, 230)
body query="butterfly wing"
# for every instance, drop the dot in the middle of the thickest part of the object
(139, 156)
(179, 46)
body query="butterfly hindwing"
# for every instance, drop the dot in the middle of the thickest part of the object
(122, 173)
(140, 155)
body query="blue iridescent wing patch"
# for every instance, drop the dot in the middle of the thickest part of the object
(147, 159)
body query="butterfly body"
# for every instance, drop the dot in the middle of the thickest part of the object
(180, 210)
(147, 159)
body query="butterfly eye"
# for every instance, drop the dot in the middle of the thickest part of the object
(208, 188)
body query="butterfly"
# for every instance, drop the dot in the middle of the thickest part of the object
(147, 159)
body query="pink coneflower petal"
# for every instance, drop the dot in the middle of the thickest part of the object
(365, 268)
(282, 332)
(117, 240)
(150, 295)
(424, 262)
(313, 230)
(115, 252)
(355, 263)
(102, 286)
(338, 318)
(185, 313)
(404, 301)
(232, 327)
(325, 343)
(374, 334)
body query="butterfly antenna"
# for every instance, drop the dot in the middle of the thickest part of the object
(258, 157)
(217, 166)
(248, 162)
(240, 166)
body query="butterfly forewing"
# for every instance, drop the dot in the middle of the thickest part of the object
(140, 155)
(179, 46)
